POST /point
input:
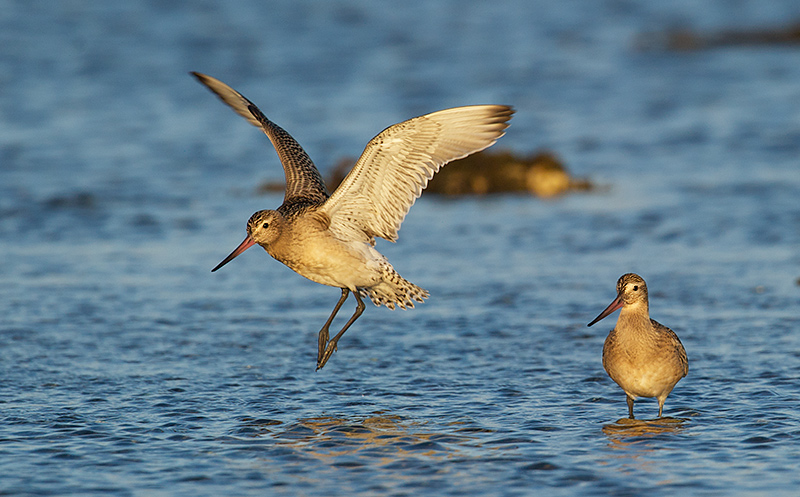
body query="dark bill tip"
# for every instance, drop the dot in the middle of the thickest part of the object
(613, 306)
(246, 244)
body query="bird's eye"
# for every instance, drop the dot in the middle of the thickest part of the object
(265, 225)
(635, 287)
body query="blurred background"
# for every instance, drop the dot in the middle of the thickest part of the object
(127, 368)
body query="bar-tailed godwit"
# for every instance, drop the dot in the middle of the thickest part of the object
(330, 239)
(643, 357)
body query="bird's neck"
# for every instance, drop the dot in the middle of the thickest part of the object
(635, 319)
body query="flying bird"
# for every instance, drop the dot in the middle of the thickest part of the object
(330, 238)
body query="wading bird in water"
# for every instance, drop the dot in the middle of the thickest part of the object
(642, 356)
(330, 239)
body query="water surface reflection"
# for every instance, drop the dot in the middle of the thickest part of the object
(626, 431)
(637, 441)
(380, 435)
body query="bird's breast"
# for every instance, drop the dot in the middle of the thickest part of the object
(640, 364)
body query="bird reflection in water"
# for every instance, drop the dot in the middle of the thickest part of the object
(381, 435)
(635, 441)
(627, 428)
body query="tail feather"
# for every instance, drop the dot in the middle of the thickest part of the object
(393, 291)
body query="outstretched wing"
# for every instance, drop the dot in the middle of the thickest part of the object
(303, 181)
(397, 164)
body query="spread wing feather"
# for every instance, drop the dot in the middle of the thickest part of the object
(397, 164)
(303, 181)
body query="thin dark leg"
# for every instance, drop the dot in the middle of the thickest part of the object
(630, 407)
(324, 332)
(332, 344)
(660, 406)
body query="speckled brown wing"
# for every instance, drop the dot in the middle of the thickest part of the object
(672, 340)
(304, 185)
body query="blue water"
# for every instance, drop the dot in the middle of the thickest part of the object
(127, 368)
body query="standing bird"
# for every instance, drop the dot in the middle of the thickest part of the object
(642, 356)
(330, 239)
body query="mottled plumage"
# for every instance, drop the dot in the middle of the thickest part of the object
(330, 239)
(643, 357)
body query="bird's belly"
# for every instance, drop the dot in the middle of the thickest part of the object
(333, 263)
(645, 383)
(642, 377)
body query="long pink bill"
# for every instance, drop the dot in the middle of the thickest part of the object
(613, 306)
(246, 244)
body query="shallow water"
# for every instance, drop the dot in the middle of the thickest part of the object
(129, 369)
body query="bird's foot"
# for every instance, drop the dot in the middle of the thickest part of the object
(323, 341)
(326, 354)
